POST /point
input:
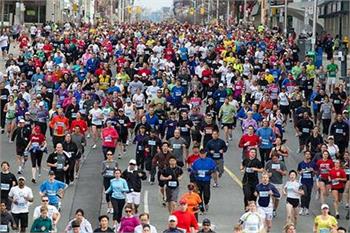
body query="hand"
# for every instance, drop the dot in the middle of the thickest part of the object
(65, 168)
(247, 144)
(270, 193)
(221, 151)
(212, 152)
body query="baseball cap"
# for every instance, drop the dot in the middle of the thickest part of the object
(182, 202)
(128, 100)
(51, 172)
(221, 85)
(206, 221)
(22, 178)
(323, 206)
(172, 218)
(22, 121)
(41, 104)
(330, 137)
(132, 161)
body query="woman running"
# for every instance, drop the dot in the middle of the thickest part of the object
(293, 190)
(337, 178)
(10, 117)
(325, 222)
(323, 166)
(36, 147)
(96, 117)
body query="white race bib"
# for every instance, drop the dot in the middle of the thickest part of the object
(172, 184)
(276, 166)
(263, 193)
(5, 186)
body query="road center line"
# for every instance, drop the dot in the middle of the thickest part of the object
(234, 177)
(145, 201)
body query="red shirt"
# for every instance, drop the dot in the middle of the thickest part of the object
(37, 138)
(109, 137)
(81, 123)
(337, 173)
(253, 140)
(193, 157)
(186, 220)
(323, 167)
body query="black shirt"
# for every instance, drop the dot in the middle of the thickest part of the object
(249, 175)
(174, 173)
(6, 184)
(99, 230)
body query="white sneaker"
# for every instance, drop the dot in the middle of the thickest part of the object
(111, 210)
(88, 136)
(127, 142)
(108, 210)
(301, 211)
(94, 146)
(306, 211)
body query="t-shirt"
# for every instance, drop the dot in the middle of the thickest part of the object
(292, 188)
(95, 116)
(271, 167)
(6, 184)
(325, 225)
(252, 222)
(332, 70)
(251, 176)
(175, 173)
(51, 211)
(334, 174)
(18, 194)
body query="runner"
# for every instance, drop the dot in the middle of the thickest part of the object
(337, 178)
(325, 222)
(252, 220)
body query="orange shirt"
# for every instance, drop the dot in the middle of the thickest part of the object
(59, 124)
(193, 201)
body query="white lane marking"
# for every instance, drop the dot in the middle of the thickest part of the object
(145, 201)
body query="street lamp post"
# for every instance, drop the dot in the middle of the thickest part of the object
(228, 13)
(285, 16)
(244, 11)
(314, 23)
(217, 10)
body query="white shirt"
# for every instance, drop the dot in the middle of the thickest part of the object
(51, 211)
(3, 41)
(18, 195)
(138, 229)
(139, 100)
(95, 116)
(252, 222)
(292, 189)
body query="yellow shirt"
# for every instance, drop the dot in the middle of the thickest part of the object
(325, 225)
(311, 71)
(269, 78)
(150, 42)
(227, 43)
(238, 67)
(230, 60)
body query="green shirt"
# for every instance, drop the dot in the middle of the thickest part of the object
(42, 225)
(227, 112)
(332, 70)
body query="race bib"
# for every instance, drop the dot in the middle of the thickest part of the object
(249, 170)
(324, 171)
(335, 182)
(35, 144)
(307, 175)
(152, 143)
(324, 230)
(160, 121)
(121, 122)
(208, 131)
(347, 171)
(5, 186)
(340, 131)
(263, 193)
(4, 97)
(336, 101)
(305, 130)
(140, 147)
(172, 184)
(59, 166)
(109, 172)
(177, 146)
(177, 93)
(49, 90)
(222, 99)
(201, 173)
(253, 228)
(265, 141)
(61, 97)
(275, 166)
(184, 129)
(108, 139)
(3, 228)
(216, 155)
(74, 115)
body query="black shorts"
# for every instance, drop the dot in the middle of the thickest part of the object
(161, 183)
(326, 182)
(339, 190)
(293, 201)
(4, 48)
(20, 150)
(21, 219)
(284, 109)
(228, 125)
(97, 126)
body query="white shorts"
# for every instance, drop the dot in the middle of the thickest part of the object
(268, 212)
(133, 197)
(331, 80)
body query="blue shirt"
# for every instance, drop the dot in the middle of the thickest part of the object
(152, 121)
(118, 188)
(264, 197)
(267, 137)
(202, 169)
(51, 189)
(307, 175)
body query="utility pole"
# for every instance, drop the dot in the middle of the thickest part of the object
(314, 23)
(2, 13)
(111, 3)
(285, 17)
(228, 13)
(217, 10)
(245, 11)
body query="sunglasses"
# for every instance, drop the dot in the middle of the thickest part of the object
(128, 211)
(109, 154)
(206, 225)
(45, 200)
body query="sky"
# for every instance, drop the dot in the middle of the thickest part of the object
(154, 5)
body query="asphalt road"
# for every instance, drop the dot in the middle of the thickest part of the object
(226, 204)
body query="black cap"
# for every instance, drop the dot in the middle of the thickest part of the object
(51, 172)
(206, 221)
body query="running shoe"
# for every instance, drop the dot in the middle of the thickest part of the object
(94, 146)
(301, 211)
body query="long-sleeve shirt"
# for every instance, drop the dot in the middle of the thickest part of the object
(264, 196)
(118, 188)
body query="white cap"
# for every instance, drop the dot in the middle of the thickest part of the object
(172, 218)
(22, 121)
(221, 85)
(324, 206)
(132, 161)
(41, 104)
(22, 178)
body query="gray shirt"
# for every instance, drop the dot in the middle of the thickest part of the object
(271, 167)
(177, 145)
(326, 109)
(79, 139)
(108, 168)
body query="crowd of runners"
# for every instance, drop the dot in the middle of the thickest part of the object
(178, 92)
